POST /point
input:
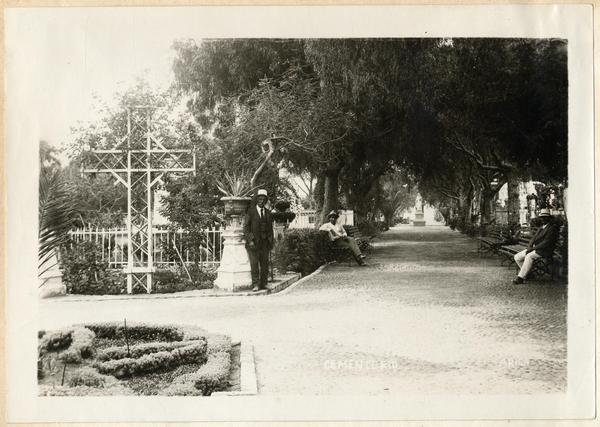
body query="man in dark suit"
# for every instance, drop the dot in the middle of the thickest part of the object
(541, 245)
(258, 231)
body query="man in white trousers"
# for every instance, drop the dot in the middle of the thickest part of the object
(541, 245)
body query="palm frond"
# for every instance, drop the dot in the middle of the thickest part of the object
(56, 213)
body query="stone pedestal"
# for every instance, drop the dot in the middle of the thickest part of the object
(419, 220)
(233, 273)
(51, 284)
(278, 231)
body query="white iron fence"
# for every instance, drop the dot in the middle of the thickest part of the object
(307, 218)
(170, 247)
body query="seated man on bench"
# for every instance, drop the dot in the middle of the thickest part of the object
(340, 238)
(541, 245)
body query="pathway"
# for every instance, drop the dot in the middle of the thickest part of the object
(427, 316)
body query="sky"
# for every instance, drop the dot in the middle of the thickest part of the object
(59, 61)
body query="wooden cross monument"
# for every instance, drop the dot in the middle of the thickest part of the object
(139, 161)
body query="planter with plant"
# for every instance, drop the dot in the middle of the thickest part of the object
(237, 193)
(282, 215)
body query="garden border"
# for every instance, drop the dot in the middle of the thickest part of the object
(208, 293)
(305, 278)
(248, 381)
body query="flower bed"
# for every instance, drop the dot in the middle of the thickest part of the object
(211, 376)
(113, 353)
(74, 344)
(111, 359)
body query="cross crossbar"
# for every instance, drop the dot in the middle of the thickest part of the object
(139, 166)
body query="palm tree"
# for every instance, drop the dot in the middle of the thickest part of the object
(56, 210)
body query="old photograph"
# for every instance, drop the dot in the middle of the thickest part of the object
(237, 217)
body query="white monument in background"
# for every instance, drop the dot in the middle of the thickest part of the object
(419, 219)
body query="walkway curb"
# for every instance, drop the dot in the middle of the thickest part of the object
(248, 382)
(278, 287)
(305, 278)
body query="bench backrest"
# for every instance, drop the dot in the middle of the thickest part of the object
(525, 236)
(352, 230)
(496, 234)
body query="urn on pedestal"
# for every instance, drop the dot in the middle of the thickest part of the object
(233, 273)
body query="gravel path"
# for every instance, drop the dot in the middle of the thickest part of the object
(427, 316)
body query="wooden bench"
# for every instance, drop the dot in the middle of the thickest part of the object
(334, 252)
(542, 266)
(362, 241)
(492, 242)
(509, 251)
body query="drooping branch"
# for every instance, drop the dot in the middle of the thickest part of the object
(268, 147)
(476, 157)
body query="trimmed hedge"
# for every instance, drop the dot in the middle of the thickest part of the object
(87, 377)
(218, 343)
(137, 331)
(162, 360)
(301, 251)
(214, 374)
(135, 351)
(182, 389)
(76, 344)
(112, 389)
(211, 376)
(179, 346)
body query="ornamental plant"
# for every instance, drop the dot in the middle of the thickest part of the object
(235, 185)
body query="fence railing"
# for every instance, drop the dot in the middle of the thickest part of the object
(307, 218)
(170, 247)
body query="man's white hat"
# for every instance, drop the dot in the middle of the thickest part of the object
(262, 192)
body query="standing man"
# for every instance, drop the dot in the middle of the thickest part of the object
(541, 245)
(258, 231)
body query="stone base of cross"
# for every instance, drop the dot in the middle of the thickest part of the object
(138, 162)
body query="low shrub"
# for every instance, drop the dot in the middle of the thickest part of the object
(137, 331)
(301, 251)
(135, 351)
(87, 377)
(368, 228)
(382, 226)
(81, 348)
(218, 343)
(55, 341)
(162, 360)
(214, 374)
(452, 223)
(84, 272)
(211, 376)
(182, 389)
(168, 281)
(114, 389)
(471, 230)
(76, 344)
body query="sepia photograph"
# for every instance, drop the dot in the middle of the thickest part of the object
(268, 215)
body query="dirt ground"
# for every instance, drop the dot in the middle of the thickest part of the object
(427, 316)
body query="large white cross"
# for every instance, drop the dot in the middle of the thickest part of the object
(139, 161)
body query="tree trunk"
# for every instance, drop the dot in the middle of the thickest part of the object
(487, 197)
(330, 194)
(514, 204)
(388, 216)
(318, 195)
